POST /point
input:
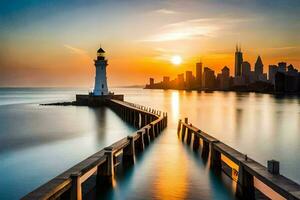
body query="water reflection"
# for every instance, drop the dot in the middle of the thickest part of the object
(48, 140)
(100, 123)
(260, 125)
(172, 180)
(175, 105)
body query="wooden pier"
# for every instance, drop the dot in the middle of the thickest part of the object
(254, 181)
(68, 185)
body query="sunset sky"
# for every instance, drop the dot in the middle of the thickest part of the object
(53, 43)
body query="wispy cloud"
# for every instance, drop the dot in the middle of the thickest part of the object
(82, 53)
(165, 11)
(192, 29)
(75, 50)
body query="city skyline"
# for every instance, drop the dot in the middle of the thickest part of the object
(280, 78)
(149, 99)
(53, 43)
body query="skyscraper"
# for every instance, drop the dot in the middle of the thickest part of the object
(259, 66)
(246, 69)
(189, 79)
(238, 61)
(166, 82)
(282, 67)
(225, 79)
(199, 74)
(180, 80)
(208, 78)
(259, 71)
(272, 71)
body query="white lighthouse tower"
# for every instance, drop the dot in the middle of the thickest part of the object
(100, 88)
(100, 95)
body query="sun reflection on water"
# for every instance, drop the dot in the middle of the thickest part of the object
(172, 175)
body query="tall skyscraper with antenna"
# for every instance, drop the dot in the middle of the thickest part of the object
(238, 61)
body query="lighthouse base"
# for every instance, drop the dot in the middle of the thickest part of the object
(94, 101)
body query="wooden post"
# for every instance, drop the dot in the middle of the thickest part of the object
(245, 186)
(166, 119)
(129, 151)
(151, 132)
(161, 125)
(183, 132)
(196, 142)
(205, 149)
(139, 121)
(157, 129)
(140, 141)
(146, 120)
(76, 193)
(105, 171)
(134, 119)
(142, 120)
(189, 136)
(131, 117)
(186, 120)
(110, 161)
(126, 115)
(273, 167)
(146, 135)
(215, 158)
(179, 127)
(149, 118)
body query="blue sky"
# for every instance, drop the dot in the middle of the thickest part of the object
(40, 37)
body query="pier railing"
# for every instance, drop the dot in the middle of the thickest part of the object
(253, 179)
(68, 185)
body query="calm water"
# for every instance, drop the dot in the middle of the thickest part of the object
(37, 143)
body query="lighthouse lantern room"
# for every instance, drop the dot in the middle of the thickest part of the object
(100, 88)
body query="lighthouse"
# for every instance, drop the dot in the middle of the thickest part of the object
(100, 88)
(100, 95)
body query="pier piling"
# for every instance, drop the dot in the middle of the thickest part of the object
(76, 193)
(215, 158)
(129, 151)
(189, 136)
(196, 142)
(140, 141)
(205, 149)
(109, 161)
(273, 167)
(245, 186)
(254, 181)
(183, 132)
(179, 127)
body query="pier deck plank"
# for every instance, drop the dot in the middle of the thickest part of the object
(284, 186)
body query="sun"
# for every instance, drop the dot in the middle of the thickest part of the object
(176, 60)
